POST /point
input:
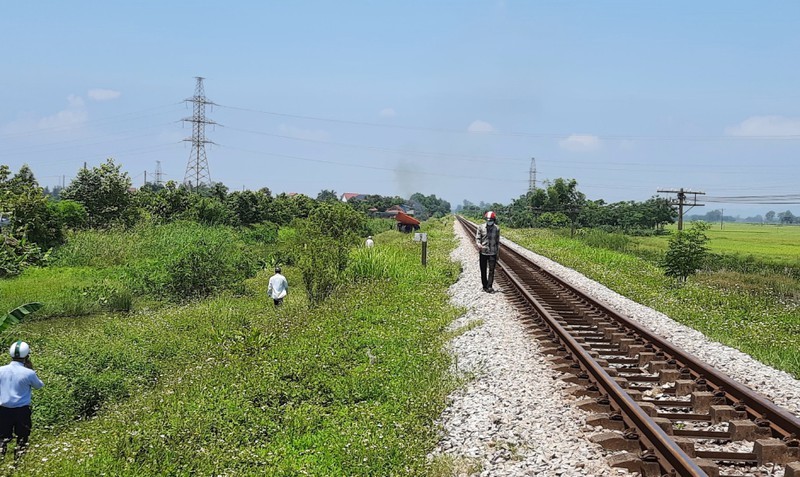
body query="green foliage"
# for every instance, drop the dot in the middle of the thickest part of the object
(18, 314)
(204, 266)
(687, 252)
(105, 193)
(16, 255)
(208, 211)
(601, 239)
(552, 220)
(350, 387)
(323, 246)
(72, 214)
(326, 195)
(262, 233)
(429, 206)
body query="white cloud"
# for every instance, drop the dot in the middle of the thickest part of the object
(99, 94)
(309, 134)
(73, 116)
(766, 126)
(388, 113)
(75, 101)
(479, 126)
(580, 143)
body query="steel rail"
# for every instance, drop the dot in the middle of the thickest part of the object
(651, 433)
(782, 422)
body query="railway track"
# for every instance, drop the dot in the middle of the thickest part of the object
(665, 411)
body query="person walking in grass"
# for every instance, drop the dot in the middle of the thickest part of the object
(369, 243)
(278, 287)
(488, 239)
(17, 380)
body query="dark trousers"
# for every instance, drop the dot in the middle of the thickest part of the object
(278, 301)
(15, 420)
(488, 263)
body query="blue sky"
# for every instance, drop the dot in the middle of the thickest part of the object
(448, 98)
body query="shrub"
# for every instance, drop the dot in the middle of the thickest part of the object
(204, 266)
(687, 252)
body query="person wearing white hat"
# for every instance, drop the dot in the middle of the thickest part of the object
(17, 380)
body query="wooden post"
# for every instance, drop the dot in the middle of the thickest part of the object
(425, 253)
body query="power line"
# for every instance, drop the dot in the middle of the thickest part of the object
(108, 120)
(519, 134)
(363, 166)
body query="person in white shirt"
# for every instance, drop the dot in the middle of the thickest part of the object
(17, 379)
(278, 287)
(369, 243)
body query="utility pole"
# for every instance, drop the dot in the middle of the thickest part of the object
(681, 202)
(197, 168)
(532, 176)
(145, 177)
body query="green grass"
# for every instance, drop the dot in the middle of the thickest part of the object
(121, 270)
(728, 307)
(233, 386)
(769, 244)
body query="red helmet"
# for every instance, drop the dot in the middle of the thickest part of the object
(490, 215)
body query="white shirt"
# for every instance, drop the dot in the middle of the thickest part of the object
(278, 286)
(369, 243)
(16, 382)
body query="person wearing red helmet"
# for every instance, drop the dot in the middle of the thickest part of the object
(488, 239)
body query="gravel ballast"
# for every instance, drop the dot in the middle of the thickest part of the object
(513, 417)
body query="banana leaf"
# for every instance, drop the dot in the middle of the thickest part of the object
(17, 314)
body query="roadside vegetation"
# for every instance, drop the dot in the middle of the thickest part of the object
(230, 385)
(749, 305)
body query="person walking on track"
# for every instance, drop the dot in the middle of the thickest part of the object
(488, 239)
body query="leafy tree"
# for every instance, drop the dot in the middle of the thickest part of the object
(209, 211)
(786, 217)
(105, 193)
(324, 241)
(166, 204)
(770, 216)
(72, 214)
(327, 196)
(247, 207)
(687, 252)
(429, 206)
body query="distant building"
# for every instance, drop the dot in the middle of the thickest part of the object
(392, 211)
(348, 196)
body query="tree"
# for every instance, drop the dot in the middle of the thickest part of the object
(327, 196)
(105, 193)
(786, 217)
(770, 216)
(687, 252)
(324, 241)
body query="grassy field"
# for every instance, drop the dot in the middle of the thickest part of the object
(770, 244)
(742, 310)
(230, 385)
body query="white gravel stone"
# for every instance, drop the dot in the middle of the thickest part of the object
(512, 417)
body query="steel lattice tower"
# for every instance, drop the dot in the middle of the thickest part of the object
(532, 176)
(197, 168)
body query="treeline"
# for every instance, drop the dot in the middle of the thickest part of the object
(560, 204)
(771, 217)
(33, 221)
